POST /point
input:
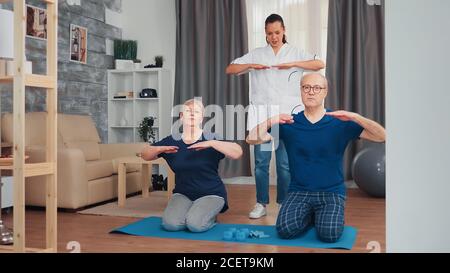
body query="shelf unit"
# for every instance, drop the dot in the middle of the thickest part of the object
(20, 169)
(125, 114)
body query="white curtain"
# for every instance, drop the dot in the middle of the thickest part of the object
(305, 20)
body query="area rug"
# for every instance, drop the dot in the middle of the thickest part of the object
(136, 206)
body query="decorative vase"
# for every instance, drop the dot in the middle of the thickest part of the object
(123, 121)
(10, 66)
(124, 64)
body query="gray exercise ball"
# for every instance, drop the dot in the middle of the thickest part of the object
(368, 170)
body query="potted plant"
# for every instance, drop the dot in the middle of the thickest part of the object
(137, 64)
(125, 49)
(125, 52)
(146, 131)
(159, 61)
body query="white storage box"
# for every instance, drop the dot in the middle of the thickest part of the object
(7, 192)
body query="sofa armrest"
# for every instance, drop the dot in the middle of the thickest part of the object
(71, 179)
(115, 150)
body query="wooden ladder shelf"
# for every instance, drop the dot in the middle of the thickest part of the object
(20, 81)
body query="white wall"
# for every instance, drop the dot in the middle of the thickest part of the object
(418, 126)
(153, 24)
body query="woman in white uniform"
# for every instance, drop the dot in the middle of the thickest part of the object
(275, 74)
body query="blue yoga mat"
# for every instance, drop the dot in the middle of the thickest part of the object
(151, 227)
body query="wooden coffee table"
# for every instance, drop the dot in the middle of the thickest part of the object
(145, 176)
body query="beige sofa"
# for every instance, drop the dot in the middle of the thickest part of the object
(87, 169)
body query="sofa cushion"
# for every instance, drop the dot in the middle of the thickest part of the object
(91, 150)
(79, 132)
(35, 128)
(77, 128)
(98, 169)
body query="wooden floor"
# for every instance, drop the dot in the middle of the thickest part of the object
(363, 212)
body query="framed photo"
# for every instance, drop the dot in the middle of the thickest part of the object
(78, 44)
(36, 22)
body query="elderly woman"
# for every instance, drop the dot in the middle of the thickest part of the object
(199, 194)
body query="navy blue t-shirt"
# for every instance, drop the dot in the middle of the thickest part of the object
(316, 151)
(196, 172)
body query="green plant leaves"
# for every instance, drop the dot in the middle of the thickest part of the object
(145, 129)
(125, 49)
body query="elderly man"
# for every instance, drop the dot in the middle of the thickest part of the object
(315, 141)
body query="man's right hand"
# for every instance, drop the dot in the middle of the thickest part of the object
(281, 119)
(260, 134)
(168, 149)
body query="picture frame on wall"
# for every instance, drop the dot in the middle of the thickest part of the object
(78, 44)
(36, 22)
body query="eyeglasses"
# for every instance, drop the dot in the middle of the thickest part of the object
(316, 88)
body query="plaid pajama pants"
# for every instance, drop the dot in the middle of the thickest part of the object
(302, 210)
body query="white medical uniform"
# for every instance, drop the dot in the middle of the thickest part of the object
(274, 91)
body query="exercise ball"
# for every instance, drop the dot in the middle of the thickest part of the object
(368, 170)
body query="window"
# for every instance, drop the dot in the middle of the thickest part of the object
(305, 21)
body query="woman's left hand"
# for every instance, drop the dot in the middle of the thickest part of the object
(202, 145)
(285, 65)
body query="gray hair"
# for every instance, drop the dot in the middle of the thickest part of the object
(314, 74)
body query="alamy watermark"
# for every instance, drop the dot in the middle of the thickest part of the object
(228, 122)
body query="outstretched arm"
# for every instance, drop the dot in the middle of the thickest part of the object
(243, 68)
(312, 65)
(152, 152)
(372, 130)
(229, 149)
(260, 134)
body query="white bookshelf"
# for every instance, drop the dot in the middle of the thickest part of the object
(125, 114)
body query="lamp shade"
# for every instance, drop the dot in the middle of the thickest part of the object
(6, 34)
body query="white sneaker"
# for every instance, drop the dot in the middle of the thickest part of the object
(258, 211)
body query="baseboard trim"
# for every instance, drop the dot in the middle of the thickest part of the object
(250, 180)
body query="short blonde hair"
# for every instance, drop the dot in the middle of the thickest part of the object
(196, 102)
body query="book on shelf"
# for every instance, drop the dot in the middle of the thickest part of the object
(124, 95)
